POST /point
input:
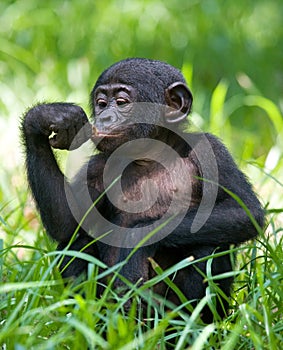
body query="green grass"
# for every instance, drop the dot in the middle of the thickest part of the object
(39, 311)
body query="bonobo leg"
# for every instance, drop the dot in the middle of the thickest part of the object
(78, 266)
(191, 279)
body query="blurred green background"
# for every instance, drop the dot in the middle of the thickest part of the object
(231, 53)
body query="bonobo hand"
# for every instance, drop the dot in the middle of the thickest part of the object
(64, 125)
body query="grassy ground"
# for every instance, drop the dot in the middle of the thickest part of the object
(39, 311)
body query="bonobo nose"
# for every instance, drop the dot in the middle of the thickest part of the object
(107, 117)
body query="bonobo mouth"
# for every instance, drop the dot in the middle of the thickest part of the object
(97, 134)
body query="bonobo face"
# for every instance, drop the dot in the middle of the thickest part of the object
(137, 99)
(112, 107)
(118, 118)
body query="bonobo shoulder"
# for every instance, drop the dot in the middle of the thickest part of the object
(203, 141)
(220, 150)
(230, 176)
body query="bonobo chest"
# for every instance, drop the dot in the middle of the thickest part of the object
(148, 189)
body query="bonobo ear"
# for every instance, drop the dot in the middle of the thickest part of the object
(179, 98)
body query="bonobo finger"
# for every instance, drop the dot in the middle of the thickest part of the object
(73, 137)
(80, 135)
(53, 128)
(59, 140)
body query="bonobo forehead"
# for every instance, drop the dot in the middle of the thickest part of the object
(150, 78)
(114, 88)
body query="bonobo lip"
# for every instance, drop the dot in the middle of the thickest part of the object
(101, 134)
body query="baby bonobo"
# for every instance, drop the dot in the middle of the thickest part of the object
(151, 185)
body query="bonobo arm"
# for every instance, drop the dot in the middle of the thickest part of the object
(48, 185)
(228, 222)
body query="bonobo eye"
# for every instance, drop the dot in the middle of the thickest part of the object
(121, 102)
(101, 103)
